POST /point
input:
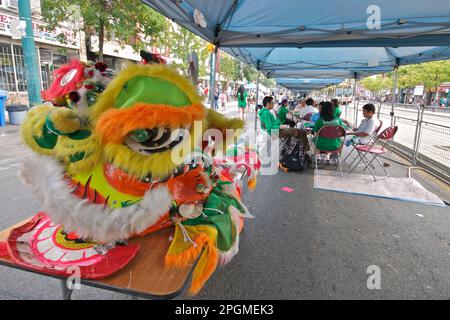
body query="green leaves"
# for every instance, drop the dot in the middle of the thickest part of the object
(429, 74)
(127, 22)
(182, 42)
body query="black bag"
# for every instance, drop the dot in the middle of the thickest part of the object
(293, 158)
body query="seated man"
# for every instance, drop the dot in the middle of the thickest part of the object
(367, 127)
(298, 108)
(271, 125)
(309, 108)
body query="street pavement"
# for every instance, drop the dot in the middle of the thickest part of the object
(302, 245)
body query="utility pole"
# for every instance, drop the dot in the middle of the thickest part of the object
(29, 52)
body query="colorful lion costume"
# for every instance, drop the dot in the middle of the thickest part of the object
(104, 170)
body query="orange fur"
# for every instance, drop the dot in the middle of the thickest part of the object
(115, 124)
(204, 269)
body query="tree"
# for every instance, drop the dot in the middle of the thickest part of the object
(229, 68)
(127, 22)
(269, 83)
(250, 73)
(373, 84)
(181, 42)
(430, 74)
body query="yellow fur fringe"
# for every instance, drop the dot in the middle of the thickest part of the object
(64, 120)
(33, 125)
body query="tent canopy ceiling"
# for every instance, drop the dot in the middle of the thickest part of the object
(306, 83)
(322, 38)
(320, 23)
(334, 62)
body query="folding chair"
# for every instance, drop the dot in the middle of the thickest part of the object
(384, 139)
(284, 142)
(331, 132)
(306, 118)
(374, 135)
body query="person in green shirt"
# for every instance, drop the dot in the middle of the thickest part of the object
(283, 111)
(272, 125)
(327, 118)
(268, 121)
(242, 101)
(336, 110)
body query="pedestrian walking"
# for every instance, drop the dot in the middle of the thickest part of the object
(242, 101)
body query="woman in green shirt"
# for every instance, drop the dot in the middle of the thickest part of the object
(327, 118)
(242, 101)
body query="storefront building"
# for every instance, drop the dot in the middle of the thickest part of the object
(50, 51)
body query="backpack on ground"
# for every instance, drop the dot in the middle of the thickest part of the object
(293, 158)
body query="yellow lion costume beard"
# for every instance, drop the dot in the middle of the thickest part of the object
(117, 172)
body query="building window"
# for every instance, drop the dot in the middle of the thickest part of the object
(12, 3)
(7, 81)
(59, 59)
(20, 69)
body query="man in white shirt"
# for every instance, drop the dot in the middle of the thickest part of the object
(366, 128)
(309, 108)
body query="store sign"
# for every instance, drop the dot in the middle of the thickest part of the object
(40, 34)
(418, 90)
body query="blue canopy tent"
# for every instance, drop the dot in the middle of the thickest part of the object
(320, 23)
(334, 62)
(306, 84)
(345, 63)
(320, 39)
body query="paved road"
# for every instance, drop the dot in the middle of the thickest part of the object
(302, 245)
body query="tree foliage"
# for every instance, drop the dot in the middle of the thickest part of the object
(127, 22)
(229, 68)
(181, 42)
(430, 74)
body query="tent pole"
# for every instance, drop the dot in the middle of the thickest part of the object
(29, 52)
(212, 77)
(394, 89)
(257, 94)
(354, 101)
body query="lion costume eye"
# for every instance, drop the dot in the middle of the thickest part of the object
(154, 140)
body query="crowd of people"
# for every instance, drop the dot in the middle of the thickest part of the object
(303, 122)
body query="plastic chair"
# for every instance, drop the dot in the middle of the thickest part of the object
(306, 118)
(284, 142)
(383, 139)
(331, 132)
(374, 135)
